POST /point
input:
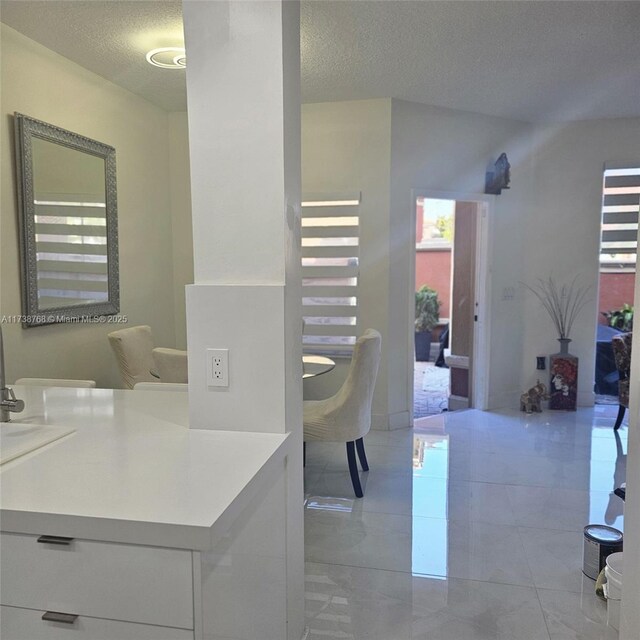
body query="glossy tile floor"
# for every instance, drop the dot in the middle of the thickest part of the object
(470, 528)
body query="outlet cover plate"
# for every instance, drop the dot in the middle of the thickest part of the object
(217, 367)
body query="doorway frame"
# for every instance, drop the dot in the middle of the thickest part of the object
(482, 328)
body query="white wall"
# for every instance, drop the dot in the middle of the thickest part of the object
(547, 223)
(562, 238)
(562, 234)
(46, 86)
(345, 148)
(445, 150)
(387, 148)
(182, 233)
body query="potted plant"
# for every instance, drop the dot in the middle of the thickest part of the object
(621, 319)
(427, 316)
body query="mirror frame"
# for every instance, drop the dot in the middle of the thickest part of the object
(25, 129)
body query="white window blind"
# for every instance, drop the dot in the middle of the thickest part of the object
(71, 249)
(620, 206)
(330, 263)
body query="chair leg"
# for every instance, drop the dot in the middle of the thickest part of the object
(353, 469)
(361, 454)
(621, 411)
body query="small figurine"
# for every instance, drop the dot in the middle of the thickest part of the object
(530, 400)
(500, 177)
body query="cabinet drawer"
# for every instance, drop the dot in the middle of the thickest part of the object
(27, 624)
(132, 583)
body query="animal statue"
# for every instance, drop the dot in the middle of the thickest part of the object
(530, 400)
(500, 177)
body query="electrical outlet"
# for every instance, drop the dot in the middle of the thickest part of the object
(217, 367)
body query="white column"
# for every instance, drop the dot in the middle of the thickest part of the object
(243, 92)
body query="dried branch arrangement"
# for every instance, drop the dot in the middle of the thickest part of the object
(563, 303)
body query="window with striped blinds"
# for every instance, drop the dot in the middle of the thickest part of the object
(330, 263)
(71, 249)
(620, 207)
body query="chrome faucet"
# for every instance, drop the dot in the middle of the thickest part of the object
(8, 401)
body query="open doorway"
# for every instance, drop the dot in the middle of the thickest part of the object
(618, 257)
(435, 223)
(448, 252)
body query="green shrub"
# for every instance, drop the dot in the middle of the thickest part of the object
(427, 309)
(621, 318)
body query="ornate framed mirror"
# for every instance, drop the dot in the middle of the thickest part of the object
(68, 221)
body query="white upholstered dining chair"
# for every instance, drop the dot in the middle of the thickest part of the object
(133, 350)
(171, 365)
(346, 416)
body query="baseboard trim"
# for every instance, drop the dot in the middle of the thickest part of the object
(390, 421)
(504, 401)
(586, 398)
(458, 402)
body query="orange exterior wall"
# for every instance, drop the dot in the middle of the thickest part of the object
(615, 290)
(433, 268)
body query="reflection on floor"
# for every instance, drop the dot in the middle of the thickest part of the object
(470, 528)
(430, 389)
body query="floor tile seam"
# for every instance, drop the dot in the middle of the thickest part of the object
(315, 467)
(511, 484)
(526, 558)
(314, 483)
(390, 446)
(385, 446)
(535, 486)
(456, 520)
(473, 520)
(579, 530)
(542, 611)
(527, 456)
(550, 590)
(419, 576)
(524, 526)
(414, 516)
(397, 474)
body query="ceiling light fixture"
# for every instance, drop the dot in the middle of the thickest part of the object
(168, 57)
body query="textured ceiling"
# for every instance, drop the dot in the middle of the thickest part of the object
(529, 60)
(110, 38)
(525, 60)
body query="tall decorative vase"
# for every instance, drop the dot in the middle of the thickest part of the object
(563, 387)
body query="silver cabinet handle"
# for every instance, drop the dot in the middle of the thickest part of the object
(57, 616)
(55, 540)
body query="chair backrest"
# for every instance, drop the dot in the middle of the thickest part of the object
(57, 382)
(355, 397)
(621, 345)
(171, 364)
(133, 350)
(160, 386)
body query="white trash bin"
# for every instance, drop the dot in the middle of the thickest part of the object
(613, 588)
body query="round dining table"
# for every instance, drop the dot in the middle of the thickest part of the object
(316, 365)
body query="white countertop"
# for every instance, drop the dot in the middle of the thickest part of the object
(132, 471)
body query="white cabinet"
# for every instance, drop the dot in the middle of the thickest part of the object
(101, 583)
(176, 533)
(27, 624)
(117, 591)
